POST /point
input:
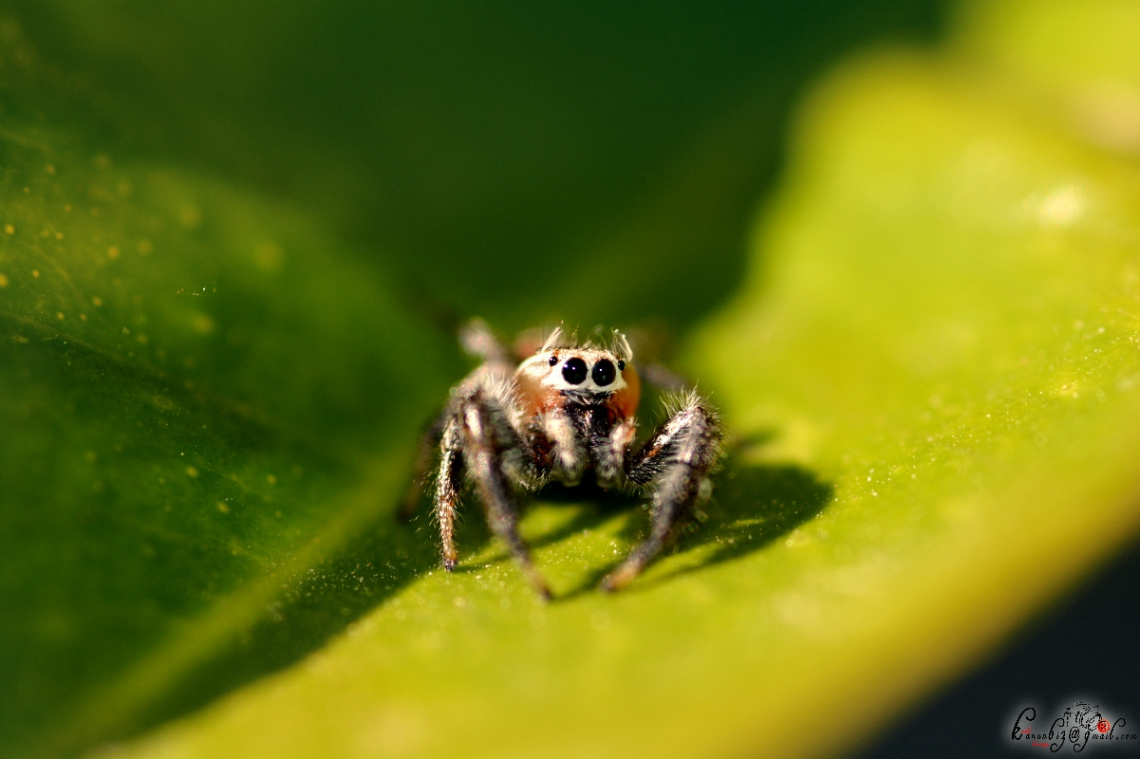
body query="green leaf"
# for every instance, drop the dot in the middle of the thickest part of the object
(931, 374)
(195, 389)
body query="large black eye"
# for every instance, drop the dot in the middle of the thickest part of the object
(574, 371)
(604, 372)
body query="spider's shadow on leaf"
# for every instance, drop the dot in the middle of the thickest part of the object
(753, 506)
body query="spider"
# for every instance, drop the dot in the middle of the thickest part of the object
(564, 410)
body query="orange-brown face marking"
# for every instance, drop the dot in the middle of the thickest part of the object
(534, 396)
(624, 402)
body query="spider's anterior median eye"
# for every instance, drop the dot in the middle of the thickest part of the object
(574, 371)
(604, 372)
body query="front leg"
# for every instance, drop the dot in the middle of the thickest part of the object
(676, 461)
(480, 440)
(448, 483)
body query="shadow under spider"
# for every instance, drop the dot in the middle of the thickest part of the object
(595, 506)
(753, 505)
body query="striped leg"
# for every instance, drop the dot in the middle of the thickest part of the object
(676, 462)
(492, 447)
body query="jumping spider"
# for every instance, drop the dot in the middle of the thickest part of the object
(566, 409)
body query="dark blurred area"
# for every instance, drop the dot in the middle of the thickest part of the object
(591, 162)
(1084, 649)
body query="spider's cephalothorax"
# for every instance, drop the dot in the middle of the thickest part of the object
(564, 410)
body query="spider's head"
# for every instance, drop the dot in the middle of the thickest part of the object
(561, 375)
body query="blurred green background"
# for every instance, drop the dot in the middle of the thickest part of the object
(236, 239)
(591, 162)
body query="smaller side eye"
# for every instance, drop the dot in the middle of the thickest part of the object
(621, 365)
(574, 371)
(604, 372)
(553, 359)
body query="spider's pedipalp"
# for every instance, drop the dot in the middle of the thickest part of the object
(611, 451)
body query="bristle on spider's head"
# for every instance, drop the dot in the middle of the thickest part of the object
(559, 339)
(615, 342)
(620, 347)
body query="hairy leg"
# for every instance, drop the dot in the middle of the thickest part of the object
(477, 339)
(676, 461)
(448, 483)
(488, 440)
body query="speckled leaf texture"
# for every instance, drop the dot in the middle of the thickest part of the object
(930, 374)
